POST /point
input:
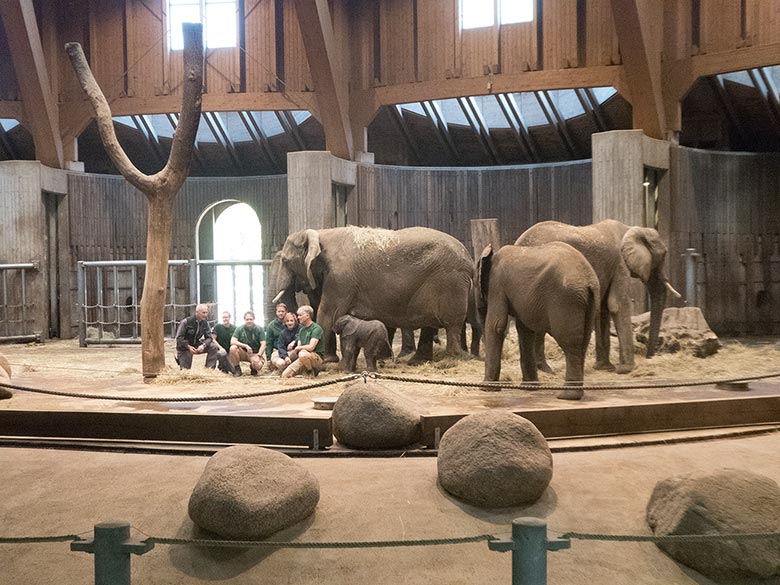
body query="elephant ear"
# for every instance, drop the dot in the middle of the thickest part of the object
(313, 250)
(643, 252)
(483, 276)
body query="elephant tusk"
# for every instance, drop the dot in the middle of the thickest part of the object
(671, 289)
(279, 296)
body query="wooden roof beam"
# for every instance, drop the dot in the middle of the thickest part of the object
(41, 116)
(512, 114)
(259, 137)
(330, 81)
(639, 28)
(398, 118)
(481, 129)
(437, 119)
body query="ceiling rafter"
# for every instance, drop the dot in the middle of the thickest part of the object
(215, 126)
(259, 137)
(553, 118)
(291, 128)
(511, 111)
(399, 121)
(763, 84)
(724, 100)
(598, 109)
(7, 145)
(38, 100)
(146, 129)
(330, 80)
(437, 119)
(477, 123)
(590, 110)
(638, 25)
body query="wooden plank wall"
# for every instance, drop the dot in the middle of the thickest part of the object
(726, 205)
(108, 218)
(447, 199)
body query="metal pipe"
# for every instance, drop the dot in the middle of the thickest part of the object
(24, 301)
(26, 266)
(233, 272)
(112, 548)
(116, 341)
(234, 262)
(116, 302)
(172, 296)
(100, 301)
(5, 301)
(194, 292)
(690, 276)
(109, 263)
(134, 295)
(251, 295)
(20, 338)
(81, 295)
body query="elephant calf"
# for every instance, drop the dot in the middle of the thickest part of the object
(547, 289)
(355, 334)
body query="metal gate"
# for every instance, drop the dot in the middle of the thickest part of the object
(17, 310)
(109, 295)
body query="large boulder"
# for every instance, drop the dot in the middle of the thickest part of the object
(682, 329)
(248, 493)
(727, 501)
(369, 416)
(5, 376)
(494, 459)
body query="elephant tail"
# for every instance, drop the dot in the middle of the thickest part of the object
(591, 314)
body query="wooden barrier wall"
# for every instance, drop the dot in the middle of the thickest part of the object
(447, 199)
(727, 206)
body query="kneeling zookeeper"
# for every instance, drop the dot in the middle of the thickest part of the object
(308, 353)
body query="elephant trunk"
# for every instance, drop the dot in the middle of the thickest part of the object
(656, 288)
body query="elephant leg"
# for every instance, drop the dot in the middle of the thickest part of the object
(463, 346)
(407, 342)
(348, 356)
(494, 332)
(621, 314)
(575, 368)
(326, 317)
(541, 359)
(476, 335)
(370, 359)
(526, 339)
(424, 351)
(602, 341)
(390, 334)
(453, 341)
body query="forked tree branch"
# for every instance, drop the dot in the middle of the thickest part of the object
(172, 176)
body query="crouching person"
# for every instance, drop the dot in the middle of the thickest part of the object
(248, 345)
(285, 343)
(194, 337)
(355, 334)
(308, 353)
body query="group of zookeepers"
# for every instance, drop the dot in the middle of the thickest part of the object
(558, 279)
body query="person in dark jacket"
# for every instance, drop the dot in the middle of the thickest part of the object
(286, 342)
(193, 337)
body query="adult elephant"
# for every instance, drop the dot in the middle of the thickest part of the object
(409, 278)
(616, 252)
(547, 289)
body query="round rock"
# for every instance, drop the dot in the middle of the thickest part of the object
(5, 374)
(369, 416)
(248, 493)
(727, 501)
(494, 460)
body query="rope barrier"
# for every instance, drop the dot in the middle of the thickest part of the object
(320, 545)
(39, 539)
(179, 398)
(670, 537)
(537, 387)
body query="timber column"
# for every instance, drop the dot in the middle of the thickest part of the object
(630, 179)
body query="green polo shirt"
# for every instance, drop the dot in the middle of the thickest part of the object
(252, 337)
(271, 335)
(306, 334)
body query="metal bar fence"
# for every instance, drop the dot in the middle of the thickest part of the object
(16, 310)
(109, 295)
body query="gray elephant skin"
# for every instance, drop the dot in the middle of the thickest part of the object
(616, 252)
(356, 334)
(410, 278)
(547, 289)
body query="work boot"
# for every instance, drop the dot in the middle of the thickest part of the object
(237, 371)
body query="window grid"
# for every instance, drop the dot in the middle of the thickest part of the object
(219, 18)
(481, 14)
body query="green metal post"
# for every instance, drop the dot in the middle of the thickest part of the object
(112, 548)
(529, 546)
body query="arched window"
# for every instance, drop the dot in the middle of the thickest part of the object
(237, 237)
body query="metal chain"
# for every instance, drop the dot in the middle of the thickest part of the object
(536, 387)
(179, 398)
(350, 544)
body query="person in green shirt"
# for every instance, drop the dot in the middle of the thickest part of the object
(248, 345)
(272, 331)
(308, 353)
(222, 332)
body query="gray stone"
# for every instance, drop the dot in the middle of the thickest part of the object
(682, 329)
(370, 416)
(248, 492)
(5, 376)
(727, 501)
(494, 459)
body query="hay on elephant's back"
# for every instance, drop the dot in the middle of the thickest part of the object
(366, 238)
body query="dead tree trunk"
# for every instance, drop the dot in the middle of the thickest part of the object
(160, 189)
